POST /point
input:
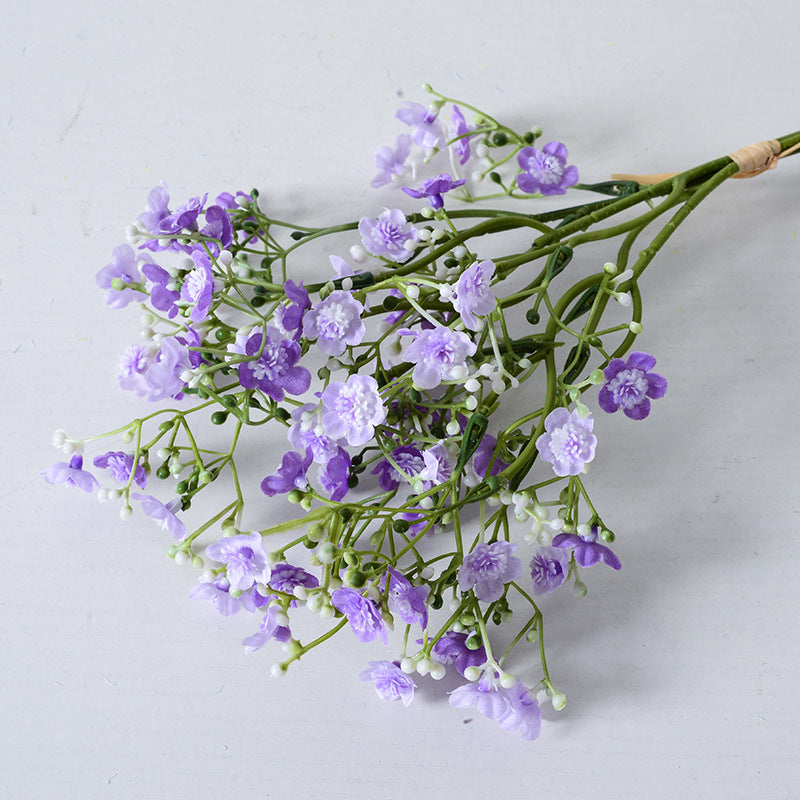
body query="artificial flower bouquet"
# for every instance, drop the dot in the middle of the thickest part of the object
(387, 376)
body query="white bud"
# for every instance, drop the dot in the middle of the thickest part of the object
(472, 673)
(410, 245)
(181, 557)
(559, 701)
(507, 680)
(453, 428)
(408, 666)
(470, 403)
(412, 291)
(459, 252)
(282, 619)
(623, 298)
(582, 530)
(358, 254)
(208, 576)
(635, 327)
(472, 385)
(300, 592)
(426, 573)
(326, 612)
(125, 513)
(347, 283)
(59, 438)
(424, 666)
(225, 258)
(524, 363)
(102, 495)
(277, 670)
(438, 671)
(481, 150)
(426, 503)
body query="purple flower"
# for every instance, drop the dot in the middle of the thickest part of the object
(426, 131)
(161, 287)
(438, 467)
(406, 600)
(440, 354)
(72, 474)
(198, 287)
(122, 266)
(473, 293)
(488, 568)
(270, 628)
(408, 460)
(218, 226)
(184, 218)
(285, 577)
(391, 683)
(545, 171)
(164, 515)
(334, 474)
(163, 375)
(549, 568)
(245, 559)
(588, 551)
(434, 188)
(290, 475)
(388, 235)
(307, 434)
(363, 615)
(630, 386)
(354, 409)
(218, 592)
(513, 708)
(452, 649)
(460, 129)
(120, 465)
(391, 161)
(483, 456)
(568, 442)
(300, 302)
(274, 370)
(157, 209)
(335, 322)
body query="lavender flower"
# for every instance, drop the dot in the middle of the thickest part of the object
(270, 628)
(163, 374)
(549, 568)
(218, 593)
(157, 209)
(290, 475)
(72, 474)
(334, 475)
(354, 409)
(425, 130)
(483, 456)
(630, 386)
(122, 266)
(438, 466)
(440, 354)
(306, 434)
(452, 649)
(363, 615)
(408, 460)
(218, 226)
(460, 129)
(487, 569)
(161, 287)
(245, 559)
(286, 577)
(434, 188)
(335, 322)
(588, 551)
(274, 370)
(164, 515)
(184, 218)
(568, 442)
(391, 161)
(514, 708)
(406, 600)
(473, 293)
(390, 235)
(391, 683)
(120, 465)
(292, 315)
(198, 287)
(545, 171)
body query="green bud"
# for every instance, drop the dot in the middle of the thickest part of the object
(500, 139)
(467, 620)
(197, 562)
(117, 284)
(295, 496)
(400, 525)
(495, 177)
(436, 602)
(390, 302)
(182, 487)
(473, 641)
(315, 531)
(258, 301)
(355, 578)
(532, 315)
(635, 328)
(162, 472)
(607, 535)
(219, 417)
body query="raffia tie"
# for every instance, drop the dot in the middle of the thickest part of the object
(751, 160)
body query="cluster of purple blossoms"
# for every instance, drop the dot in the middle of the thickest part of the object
(245, 560)
(335, 323)
(514, 708)
(473, 294)
(439, 354)
(487, 570)
(362, 613)
(287, 577)
(390, 235)
(405, 600)
(391, 683)
(568, 442)
(545, 171)
(630, 385)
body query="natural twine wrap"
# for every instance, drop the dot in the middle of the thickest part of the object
(752, 160)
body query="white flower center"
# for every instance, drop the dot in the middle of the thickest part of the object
(628, 387)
